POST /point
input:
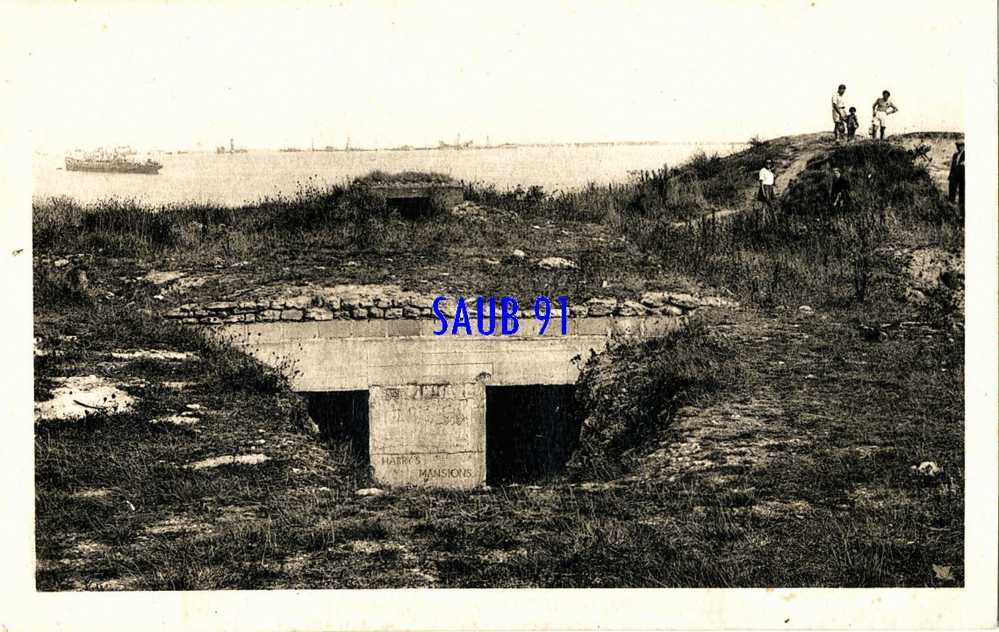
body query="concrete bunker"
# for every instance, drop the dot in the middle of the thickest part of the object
(435, 411)
(531, 432)
(418, 199)
(442, 411)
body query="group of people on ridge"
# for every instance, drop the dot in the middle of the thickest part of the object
(845, 122)
(845, 125)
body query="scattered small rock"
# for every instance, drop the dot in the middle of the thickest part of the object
(518, 253)
(916, 297)
(557, 263)
(370, 491)
(805, 309)
(928, 469)
(943, 573)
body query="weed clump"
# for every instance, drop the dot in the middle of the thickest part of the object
(61, 288)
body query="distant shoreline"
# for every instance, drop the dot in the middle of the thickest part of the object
(626, 143)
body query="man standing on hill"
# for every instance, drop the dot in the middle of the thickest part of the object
(880, 111)
(766, 194)
(956, 176)
(839, 190)
(839, 113)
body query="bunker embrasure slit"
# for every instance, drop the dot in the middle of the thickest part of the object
(531, 432)
(411, 207)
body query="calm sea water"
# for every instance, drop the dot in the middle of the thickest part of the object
(233, 179)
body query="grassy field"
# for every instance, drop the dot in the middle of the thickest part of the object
(767, 446)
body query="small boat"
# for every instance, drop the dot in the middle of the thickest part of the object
(116, 164)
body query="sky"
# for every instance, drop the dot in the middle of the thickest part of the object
(170, 75)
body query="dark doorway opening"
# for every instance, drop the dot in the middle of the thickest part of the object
(531, 431)
(342, 417)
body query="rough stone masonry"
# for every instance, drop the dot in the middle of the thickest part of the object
(426, 393)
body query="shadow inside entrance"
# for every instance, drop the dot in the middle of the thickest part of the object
(531, 432)
(342, 417)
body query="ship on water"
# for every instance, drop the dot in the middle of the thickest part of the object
(232, 149)
(117, 160)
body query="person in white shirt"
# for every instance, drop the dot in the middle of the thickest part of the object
(880, 111)
(839, 113)
(767, 177)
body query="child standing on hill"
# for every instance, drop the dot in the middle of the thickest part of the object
(852, 123)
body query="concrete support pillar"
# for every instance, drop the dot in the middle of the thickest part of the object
(429, 435)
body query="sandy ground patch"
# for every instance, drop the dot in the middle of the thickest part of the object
(91, 493)
(160, 278)
(229, 459)
(153, 354)
(76, 397)
(176, 524)
(179, 420)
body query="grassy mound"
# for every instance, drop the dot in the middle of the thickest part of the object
(806, 252)
(351, 213)
(405, 177)
(881, 176)
(629, 394)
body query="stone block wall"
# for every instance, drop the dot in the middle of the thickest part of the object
(324, 307)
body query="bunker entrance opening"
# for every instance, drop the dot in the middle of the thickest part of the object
(531, 431)
(342, 417)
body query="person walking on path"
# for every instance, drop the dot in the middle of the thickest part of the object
(882, 108)
(839, 113)
(955, 179)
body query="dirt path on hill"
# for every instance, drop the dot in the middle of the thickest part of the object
(801, 150)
